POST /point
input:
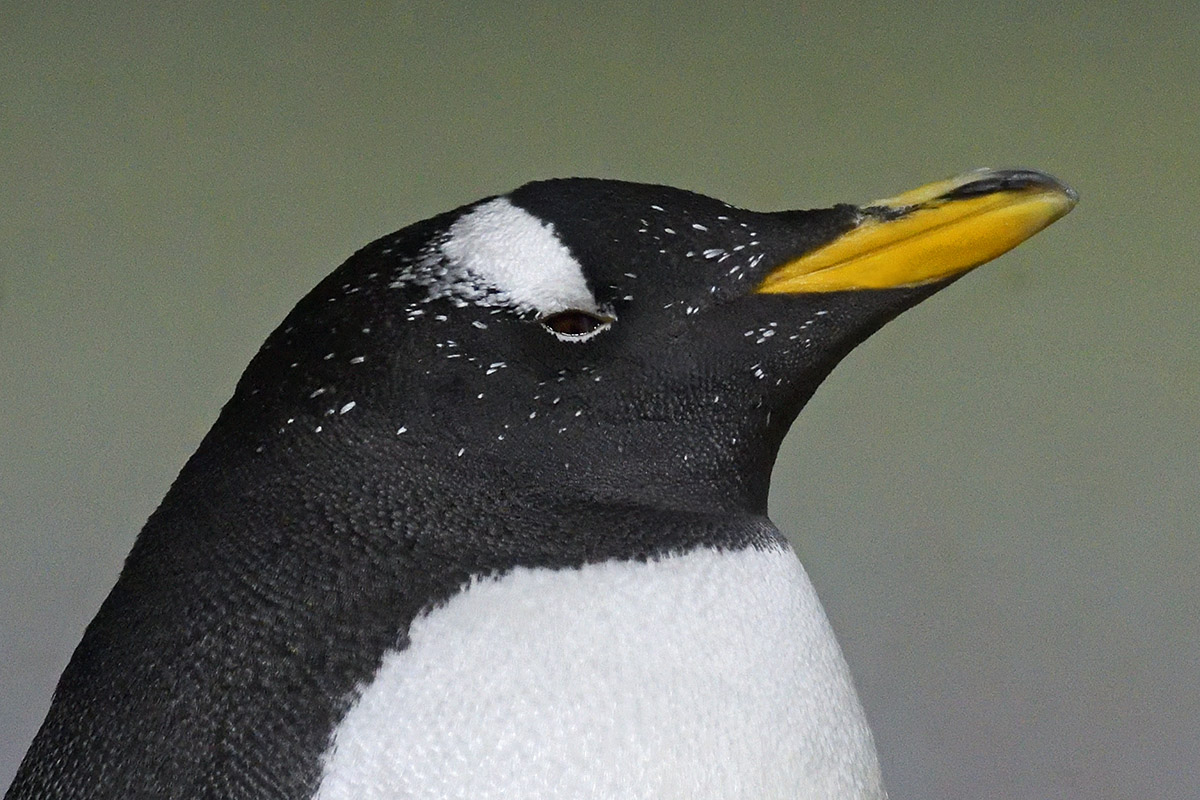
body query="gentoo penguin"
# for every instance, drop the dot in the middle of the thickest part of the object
(486, 515)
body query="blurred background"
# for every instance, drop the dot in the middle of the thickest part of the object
(998, 496)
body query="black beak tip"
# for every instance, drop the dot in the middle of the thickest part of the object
(1010, 180)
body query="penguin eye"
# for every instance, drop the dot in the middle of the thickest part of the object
(574, 325)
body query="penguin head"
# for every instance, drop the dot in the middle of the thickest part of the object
(623, 340)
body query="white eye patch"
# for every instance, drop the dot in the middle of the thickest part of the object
(506, 254)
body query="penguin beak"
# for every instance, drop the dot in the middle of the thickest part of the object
(933, 233)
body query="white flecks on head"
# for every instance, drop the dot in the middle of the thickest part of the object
(508, 255)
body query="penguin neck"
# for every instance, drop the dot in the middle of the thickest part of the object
(552, 464)
(643, 463)
(649, 453)
(472, 505)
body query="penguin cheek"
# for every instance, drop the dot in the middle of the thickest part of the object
(679, 330)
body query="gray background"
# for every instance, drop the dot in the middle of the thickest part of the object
(997, 496)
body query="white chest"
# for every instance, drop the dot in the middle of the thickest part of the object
(703, 675)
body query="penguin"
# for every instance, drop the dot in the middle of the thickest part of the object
(486, 516)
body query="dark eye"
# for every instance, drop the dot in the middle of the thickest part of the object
(574, 325)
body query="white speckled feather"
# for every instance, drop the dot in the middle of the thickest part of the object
(703, 675)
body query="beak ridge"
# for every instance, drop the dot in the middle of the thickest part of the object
(932, 233)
